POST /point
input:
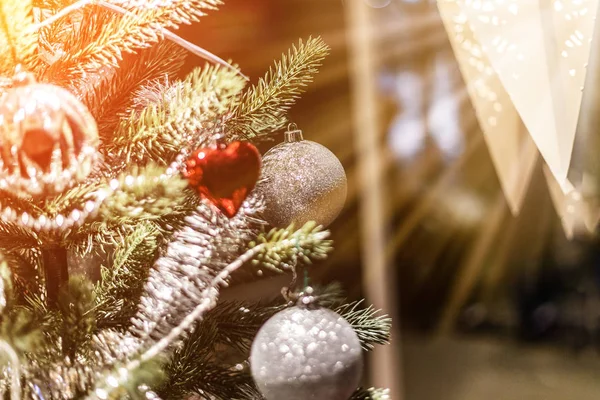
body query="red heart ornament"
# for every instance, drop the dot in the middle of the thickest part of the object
(225, 175)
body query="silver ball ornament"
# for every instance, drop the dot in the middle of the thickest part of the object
(303, 181)
(306, 353)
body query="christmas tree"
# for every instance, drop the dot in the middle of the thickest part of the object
(130, 198)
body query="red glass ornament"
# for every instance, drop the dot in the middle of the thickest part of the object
(225, 175)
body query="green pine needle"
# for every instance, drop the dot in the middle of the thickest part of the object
(14, 237)
(371, 394)
(145, 194)
(104, 36)
(123, 281)
(76, 304)
(109, 101)
(263, 108)
(371, 328)
(181, 119)
(288, 247)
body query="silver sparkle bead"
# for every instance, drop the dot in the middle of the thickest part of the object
(304, 181)
(48, 138)
(305, 353)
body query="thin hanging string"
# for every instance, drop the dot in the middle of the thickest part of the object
(306, 278)
(293, 292)
(289, 292)
(9, 38)
(178, 40)
(305, 270)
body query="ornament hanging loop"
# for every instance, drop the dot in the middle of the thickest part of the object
(289, 293)
(299, 292)
(305, 298)
(293, 134)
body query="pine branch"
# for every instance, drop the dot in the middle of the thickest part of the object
(144, 194)
(263, 108)
(18, 42)
(123, 282)
(289, 247)
(18, 325)
(194, 369)
(96, 233)
(371, 394)
(174, 13)
(10, 202)
(89, 41)
(14, 237)
(76, 304)
(160, 131)
(52, 38)
(6, 286)
(99, 197)
(25, 268)
(236, 323)
(141, 194)
(109, 100)
(371, 328)
(22, 330)
(72, 198)
(214, 379)
(50, 323)
(93, 46)
(188, 362)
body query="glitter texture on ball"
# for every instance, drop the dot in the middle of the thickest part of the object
(303, 181)
(302, 353)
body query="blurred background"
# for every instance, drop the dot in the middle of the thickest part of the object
(484, 303)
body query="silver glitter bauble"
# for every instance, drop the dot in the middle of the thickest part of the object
(48, 138)
(304, 181)
(302, 353)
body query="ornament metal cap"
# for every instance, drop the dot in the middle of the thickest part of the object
(293, 134)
